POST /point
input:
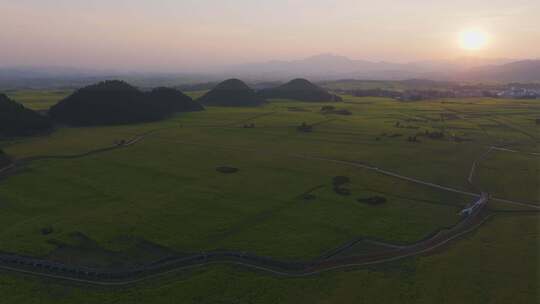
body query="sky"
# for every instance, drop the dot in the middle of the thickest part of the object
(191, 35)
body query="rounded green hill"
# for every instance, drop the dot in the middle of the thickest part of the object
(232, 93)
(301, 90)
(172, 100)
(117, 102)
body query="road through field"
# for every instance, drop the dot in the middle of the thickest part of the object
(534, 205)
(40, 268)
(73, 273)
(417, 181)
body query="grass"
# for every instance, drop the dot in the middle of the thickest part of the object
(37, 99)
(166, 190)
(497, 264)
(255, 209)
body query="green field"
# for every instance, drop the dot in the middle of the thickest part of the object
(498, 264)
(354, 84)
(37, 99)
(165, 190)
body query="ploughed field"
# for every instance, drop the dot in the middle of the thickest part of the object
(165, 194)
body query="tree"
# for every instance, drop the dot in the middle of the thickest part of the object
(327, 108)
(304, 127)
(4, 159)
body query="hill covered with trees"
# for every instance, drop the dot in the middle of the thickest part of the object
(232, 93)
(116, 102)
(16, 120)
(171, 100)
(301, 90)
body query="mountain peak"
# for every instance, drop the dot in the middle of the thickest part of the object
(328, 56)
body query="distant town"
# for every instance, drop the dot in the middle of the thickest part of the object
(511, 91)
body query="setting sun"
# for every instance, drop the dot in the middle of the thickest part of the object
(473, 39)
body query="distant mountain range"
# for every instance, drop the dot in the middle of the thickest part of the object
(329, 67)
(73, 78)
(519, 71)
(316, 68)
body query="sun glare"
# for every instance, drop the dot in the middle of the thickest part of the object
(473, 39)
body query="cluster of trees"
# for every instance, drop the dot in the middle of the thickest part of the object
(408, 95)
(412, 139)
(434, 134)
(374, 93)
(16, 120)
(116, 102)
(226, 169)
(333, 110)
(4, 159)
(374, 200)
(417, 95)
(304, 127)
(338, 183)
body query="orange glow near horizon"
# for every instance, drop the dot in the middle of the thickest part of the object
(194, 35)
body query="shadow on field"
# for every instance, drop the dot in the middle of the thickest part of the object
(81, 250)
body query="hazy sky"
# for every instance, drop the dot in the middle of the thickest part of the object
(185, 34)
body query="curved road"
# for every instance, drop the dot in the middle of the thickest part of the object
(43, 268)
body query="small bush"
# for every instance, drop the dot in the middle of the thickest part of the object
(4, 159)
(46, 230)
(342, 191)
(435, 135)
(340, 180)
(304, 127)
(227, 170)
(374, 200)
(309, 197)
(333, 110)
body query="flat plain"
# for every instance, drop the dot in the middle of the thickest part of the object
(165, 193)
